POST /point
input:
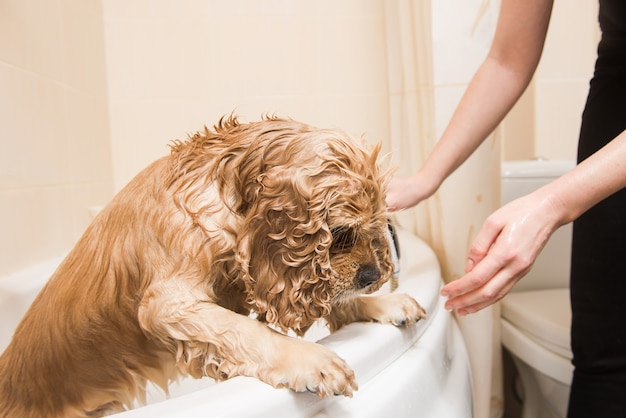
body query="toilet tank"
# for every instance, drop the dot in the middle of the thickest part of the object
(552, 266)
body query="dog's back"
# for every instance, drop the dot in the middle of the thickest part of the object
(79, 345)
(80, 349)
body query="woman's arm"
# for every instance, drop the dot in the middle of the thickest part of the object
(512, 237)
(497, 85)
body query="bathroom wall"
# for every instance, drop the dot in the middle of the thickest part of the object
(547, 120)
(54, 131)
(173, 67)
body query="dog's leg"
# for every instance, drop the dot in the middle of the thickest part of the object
(394, 308)
(211, 340)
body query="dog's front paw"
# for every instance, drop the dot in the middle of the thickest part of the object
(398, 309)
(307, 366)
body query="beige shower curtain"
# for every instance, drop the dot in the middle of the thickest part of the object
(412, 112)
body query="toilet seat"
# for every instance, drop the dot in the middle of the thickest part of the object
(536, 328)
(545, 315)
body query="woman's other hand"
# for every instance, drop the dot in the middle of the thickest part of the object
(503, 252)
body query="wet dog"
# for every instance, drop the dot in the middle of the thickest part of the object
(202, 262)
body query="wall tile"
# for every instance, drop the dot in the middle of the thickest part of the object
(88, 147)
(83, 28)
(559, 106)
(517, 131)
(120, 56)
(351, 63)
(171, 58)
(345, 8)
(572, 40)
(289, 58)
(264, 55)
(32, 130)
(31, 36)
(140, 9)
(36, 225)
(53, 126)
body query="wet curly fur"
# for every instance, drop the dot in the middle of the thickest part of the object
(274, 218)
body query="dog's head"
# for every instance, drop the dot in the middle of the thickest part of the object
(315, 220)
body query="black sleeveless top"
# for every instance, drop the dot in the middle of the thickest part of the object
(605, 111)
(598, 274)
(612, 47)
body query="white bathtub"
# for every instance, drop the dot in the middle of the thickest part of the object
(419, 371)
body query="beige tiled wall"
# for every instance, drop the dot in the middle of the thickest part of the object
(546, 123)
(563, 76)
(54, 132)
(172, 69)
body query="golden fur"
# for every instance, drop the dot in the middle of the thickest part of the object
(272, 217)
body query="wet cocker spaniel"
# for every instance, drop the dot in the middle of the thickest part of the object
(273, 218)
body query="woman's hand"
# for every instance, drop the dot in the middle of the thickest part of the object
(503, 252)
(405, 192)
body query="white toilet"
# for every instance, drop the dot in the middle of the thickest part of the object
(536, 314)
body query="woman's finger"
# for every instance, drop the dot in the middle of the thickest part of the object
(487, 236)
(492, 291)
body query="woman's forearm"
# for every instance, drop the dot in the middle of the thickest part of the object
(496, 86)
(593, 180)
(509, 241)
(490, 95)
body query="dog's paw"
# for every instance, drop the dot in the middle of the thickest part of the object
(398, 309)
(307, 366)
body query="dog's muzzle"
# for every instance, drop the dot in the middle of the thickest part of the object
(367, 275)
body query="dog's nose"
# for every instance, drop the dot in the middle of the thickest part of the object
(367, 275)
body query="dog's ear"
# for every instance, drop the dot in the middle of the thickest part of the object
(287, 266)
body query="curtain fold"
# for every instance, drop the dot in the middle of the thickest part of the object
(412, 116)
(412, 109)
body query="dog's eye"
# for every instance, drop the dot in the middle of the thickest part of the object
(344, 239)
